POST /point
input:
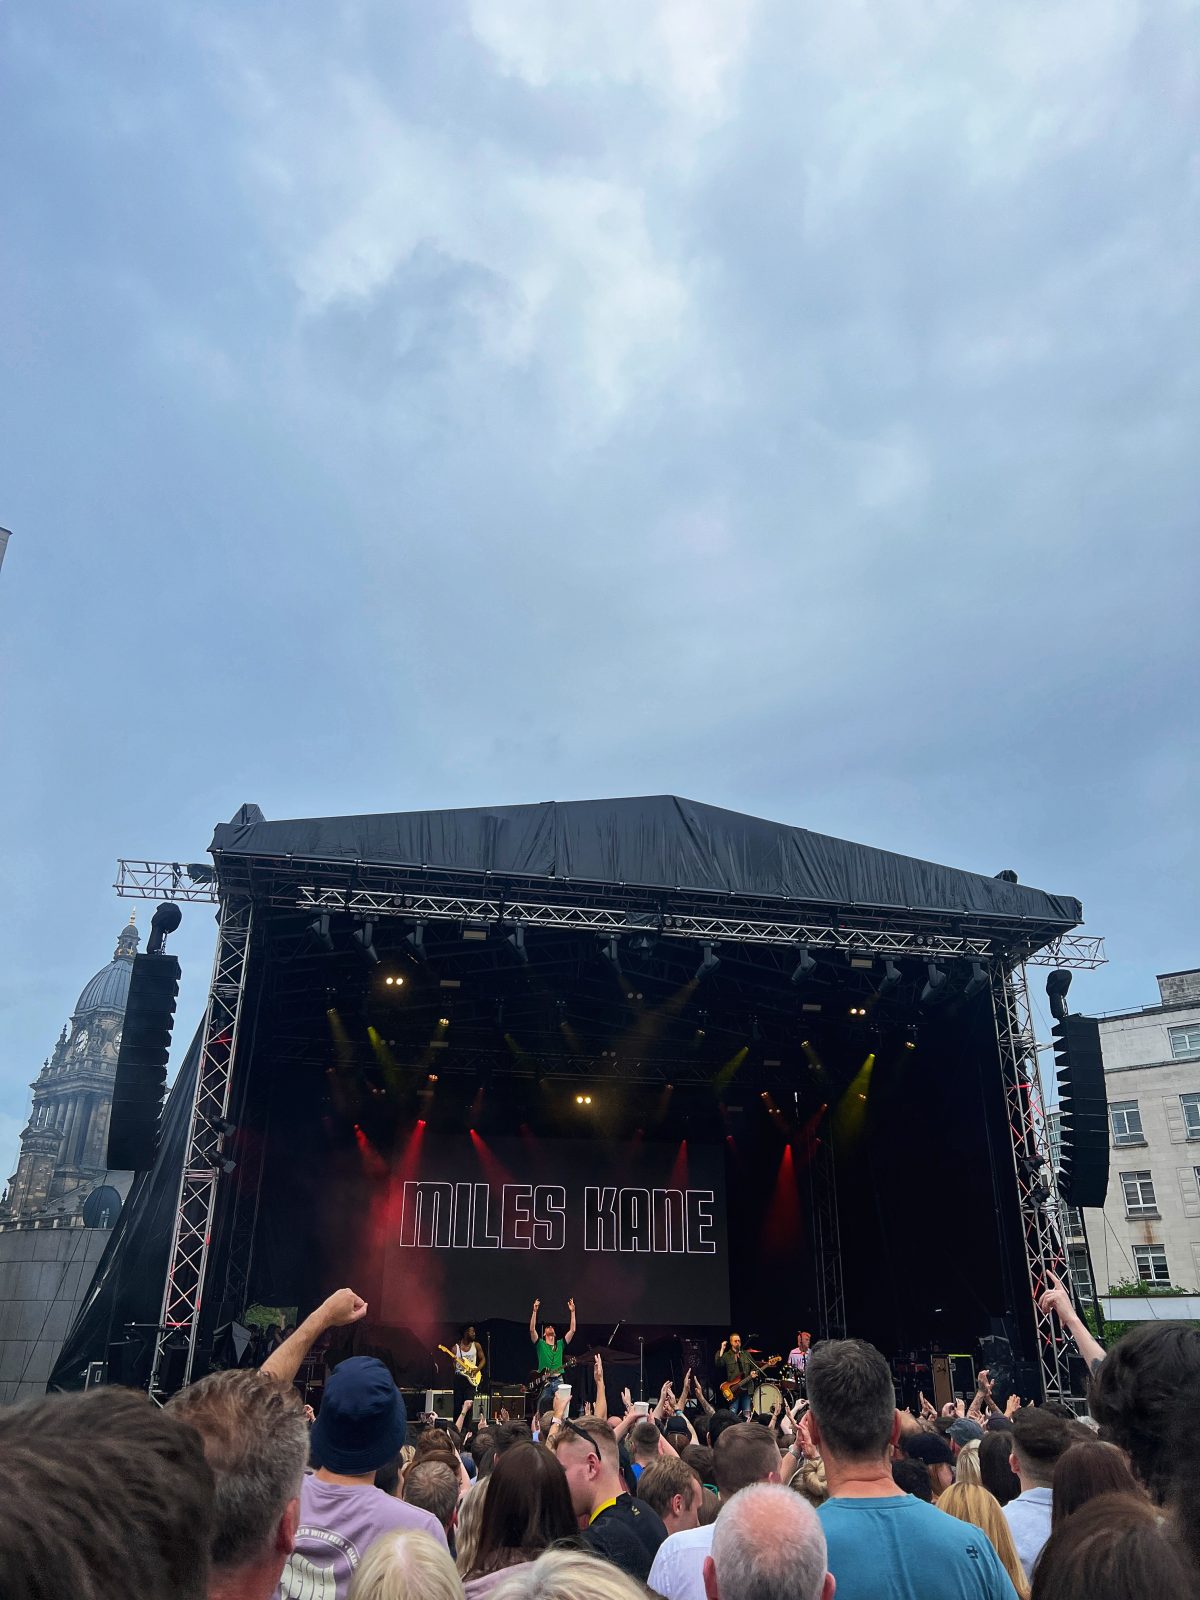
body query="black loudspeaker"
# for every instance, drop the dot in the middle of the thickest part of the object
(141, 1076)
(995, 1355)
(1083, 1103)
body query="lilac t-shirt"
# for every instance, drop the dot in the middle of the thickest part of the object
(338, 1524)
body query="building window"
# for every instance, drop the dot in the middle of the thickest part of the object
(1074, 1221)
(1151, 1263)
(1191, 1114)
(1185, 1042)
(1080, 1276)
(1126, 1122)
(1139, 1194)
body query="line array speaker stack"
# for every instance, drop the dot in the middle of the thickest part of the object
(1083, 1103)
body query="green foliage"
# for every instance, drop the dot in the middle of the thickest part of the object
(1129, 1289)
(267, 1317)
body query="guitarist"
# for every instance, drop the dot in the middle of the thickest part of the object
(551, 1352)
(733, 1363)
(467, 1348)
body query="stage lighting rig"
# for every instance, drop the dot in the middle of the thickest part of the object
(805, 966)
(936, 985)
(517, 940)
(415, 940)
(891, 978)
(319, 928)
(364, 937)
(709, 962)
(610, 951)
(977, 982)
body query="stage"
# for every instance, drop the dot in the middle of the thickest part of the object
(478, 1058)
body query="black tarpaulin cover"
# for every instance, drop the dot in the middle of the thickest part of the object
(128, 1283)
(657, 842)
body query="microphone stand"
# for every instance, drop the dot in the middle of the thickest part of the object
(641, 1366)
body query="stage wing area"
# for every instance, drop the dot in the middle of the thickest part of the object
(688, 1067)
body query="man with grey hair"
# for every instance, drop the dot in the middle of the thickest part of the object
(255, 1438)
(768, 1545)
(881, 1542)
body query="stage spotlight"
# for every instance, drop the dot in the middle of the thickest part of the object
(320, 930)
(936, 987)
(858, 1011)
(517, 939)
(610, 951)
(891, 977)
(364, 937)
(443, 1022)
(1057, 984)
(227, 1165)
(221, 1125)
(415, 940)
(805, 966)
(394, 981)
(709, 962)
(977, 982)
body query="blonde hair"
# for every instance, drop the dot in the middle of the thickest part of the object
(568, 1575)
(404, 1566)
(971, 1502)
(809, 1480)
(966, 1467)
(466, 1529)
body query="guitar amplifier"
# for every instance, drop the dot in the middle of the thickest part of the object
(440, 1402)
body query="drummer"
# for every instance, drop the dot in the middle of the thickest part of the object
(798, 1355)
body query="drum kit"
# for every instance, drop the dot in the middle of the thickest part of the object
(783, 1388)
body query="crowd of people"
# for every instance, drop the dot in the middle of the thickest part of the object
(233, 1491)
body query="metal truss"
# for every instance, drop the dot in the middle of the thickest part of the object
(1040, 1219)
(402, 892)
(165, 880)
(826, 1235)
(201, 1173)
(1082, 951)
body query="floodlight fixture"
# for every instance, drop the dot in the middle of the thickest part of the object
(936, 985)
(319, 928)
(977, 982)
(709, 962)
(891, 977)
(806, 965)
(364, 937)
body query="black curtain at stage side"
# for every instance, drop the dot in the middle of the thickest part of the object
(127, 1287)
(931, 1241)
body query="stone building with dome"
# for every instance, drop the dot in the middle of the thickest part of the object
(61, 1202)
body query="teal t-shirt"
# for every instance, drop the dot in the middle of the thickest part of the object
(904, 1549)
(549, 1356)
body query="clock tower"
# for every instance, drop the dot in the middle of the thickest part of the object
(64, 1146)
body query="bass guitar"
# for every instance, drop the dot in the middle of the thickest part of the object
(733, 1386)
(466, 1369)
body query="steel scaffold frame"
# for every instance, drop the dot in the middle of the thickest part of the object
(1040, 1223)
(192, 1231)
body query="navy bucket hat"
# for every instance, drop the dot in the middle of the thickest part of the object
(362, 1421)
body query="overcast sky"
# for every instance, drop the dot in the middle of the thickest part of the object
(791, 406)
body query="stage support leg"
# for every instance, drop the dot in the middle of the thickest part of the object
(188, 1260)
(1040, 1223)
(826, 1235)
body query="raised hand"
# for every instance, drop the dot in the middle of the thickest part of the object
(343, 1308)
(536, 1304)
(626, 1399)
(571, 1307)
(1056, 1298)
(599, 1367)
(1012, 1405)
(687, 1384)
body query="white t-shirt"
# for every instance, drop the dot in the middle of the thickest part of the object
(678, 1569)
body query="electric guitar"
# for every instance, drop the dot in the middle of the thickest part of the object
(541, 1379)
(466, 1369)
(733, 1386)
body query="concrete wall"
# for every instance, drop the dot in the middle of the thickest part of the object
(1138, 1065)
(44, 1275)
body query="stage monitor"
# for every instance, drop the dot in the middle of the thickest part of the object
(482, 1228)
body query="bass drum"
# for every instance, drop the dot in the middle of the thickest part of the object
(764, 1397)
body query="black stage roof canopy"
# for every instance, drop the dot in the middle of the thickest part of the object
(656, 843)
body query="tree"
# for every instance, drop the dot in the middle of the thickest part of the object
(1129, 1289)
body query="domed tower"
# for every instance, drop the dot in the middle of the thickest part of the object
(63, 1148)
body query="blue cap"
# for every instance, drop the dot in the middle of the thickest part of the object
(362, 1421)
